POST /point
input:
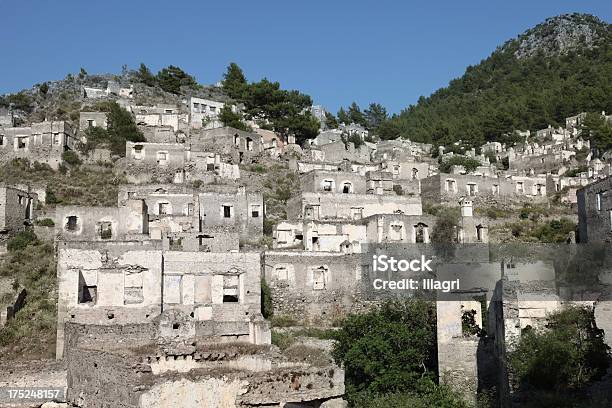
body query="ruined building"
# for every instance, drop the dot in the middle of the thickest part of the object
(595, 212)
(17, 208)
(43, 142)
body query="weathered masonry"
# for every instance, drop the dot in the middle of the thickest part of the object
(43, 142)
(16, 210)
(595, 211)
(131, 282)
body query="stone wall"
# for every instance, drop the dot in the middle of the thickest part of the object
(43, 142)
(233, 207)
(333, 181)
(16, 208)
(82, 223)
(92, 119)
(595, 212)
(314, 288)
(155, 162)
(350, 206)
(484, 191)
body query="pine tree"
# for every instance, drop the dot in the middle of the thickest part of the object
(234, 81)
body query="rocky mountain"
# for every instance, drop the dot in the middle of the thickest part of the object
(560, 35)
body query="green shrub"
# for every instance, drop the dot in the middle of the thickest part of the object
(45, 222)
(389, 349)
(22, 240)
(282, 340)
(267, 310)
(172, 79)
(323, 334)
(71, 158)
(425, 397)
(283, 321)
(31, 334)
(444, 231)
(468, 163)
(568, 355)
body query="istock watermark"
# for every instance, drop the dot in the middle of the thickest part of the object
(386, 263)
(383, 263)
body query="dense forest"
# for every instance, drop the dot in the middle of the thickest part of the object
(555, 70)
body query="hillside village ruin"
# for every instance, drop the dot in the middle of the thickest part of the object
(159, 296)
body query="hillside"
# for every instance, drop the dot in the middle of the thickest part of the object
(552, 71)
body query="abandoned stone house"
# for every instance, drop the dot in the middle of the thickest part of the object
(353, 129)
(238, 146)
(326, 136)
(544, 163)
(146, 162)
(204, 113)
(595, 211)
(129, 221)
(229, 206)
(406, 170)
(6, 118)
(575, 121)
(17, 209)
(348, 236)
(92, 119)
(161, 115)
(42, 142)
(319, 287)
(133, 282)
(162, 134)
(447, 188)
(333, 182)
(339, 151)
(303, 166)
(565, 188)
(348, 195)
(177, 208)
(112, 89)
(401, 150)
(174, 163)
(510, 294)
(170, 362)
(273, 143)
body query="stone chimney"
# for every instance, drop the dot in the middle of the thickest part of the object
(467, 207)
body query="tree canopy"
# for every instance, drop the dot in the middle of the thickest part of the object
(234, 81)
(284, 111)
(120, 128)
(568, 354)
(172, 79)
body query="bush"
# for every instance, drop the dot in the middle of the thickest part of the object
(172, 79)
(232, 119)
(121, 128)
(468, 163)
(568, 355)
(444, 232)
(283, 321)
(71, 158)
(22, 240)
(31, 334)
(427, 397)
(267, 310)
(390, 349)
(46, 222)
(282, 340)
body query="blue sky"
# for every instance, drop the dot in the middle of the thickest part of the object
(383, 51)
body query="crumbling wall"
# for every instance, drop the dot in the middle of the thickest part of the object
(350, 206)
(314, 287)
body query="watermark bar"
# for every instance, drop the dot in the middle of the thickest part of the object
(25, 394)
